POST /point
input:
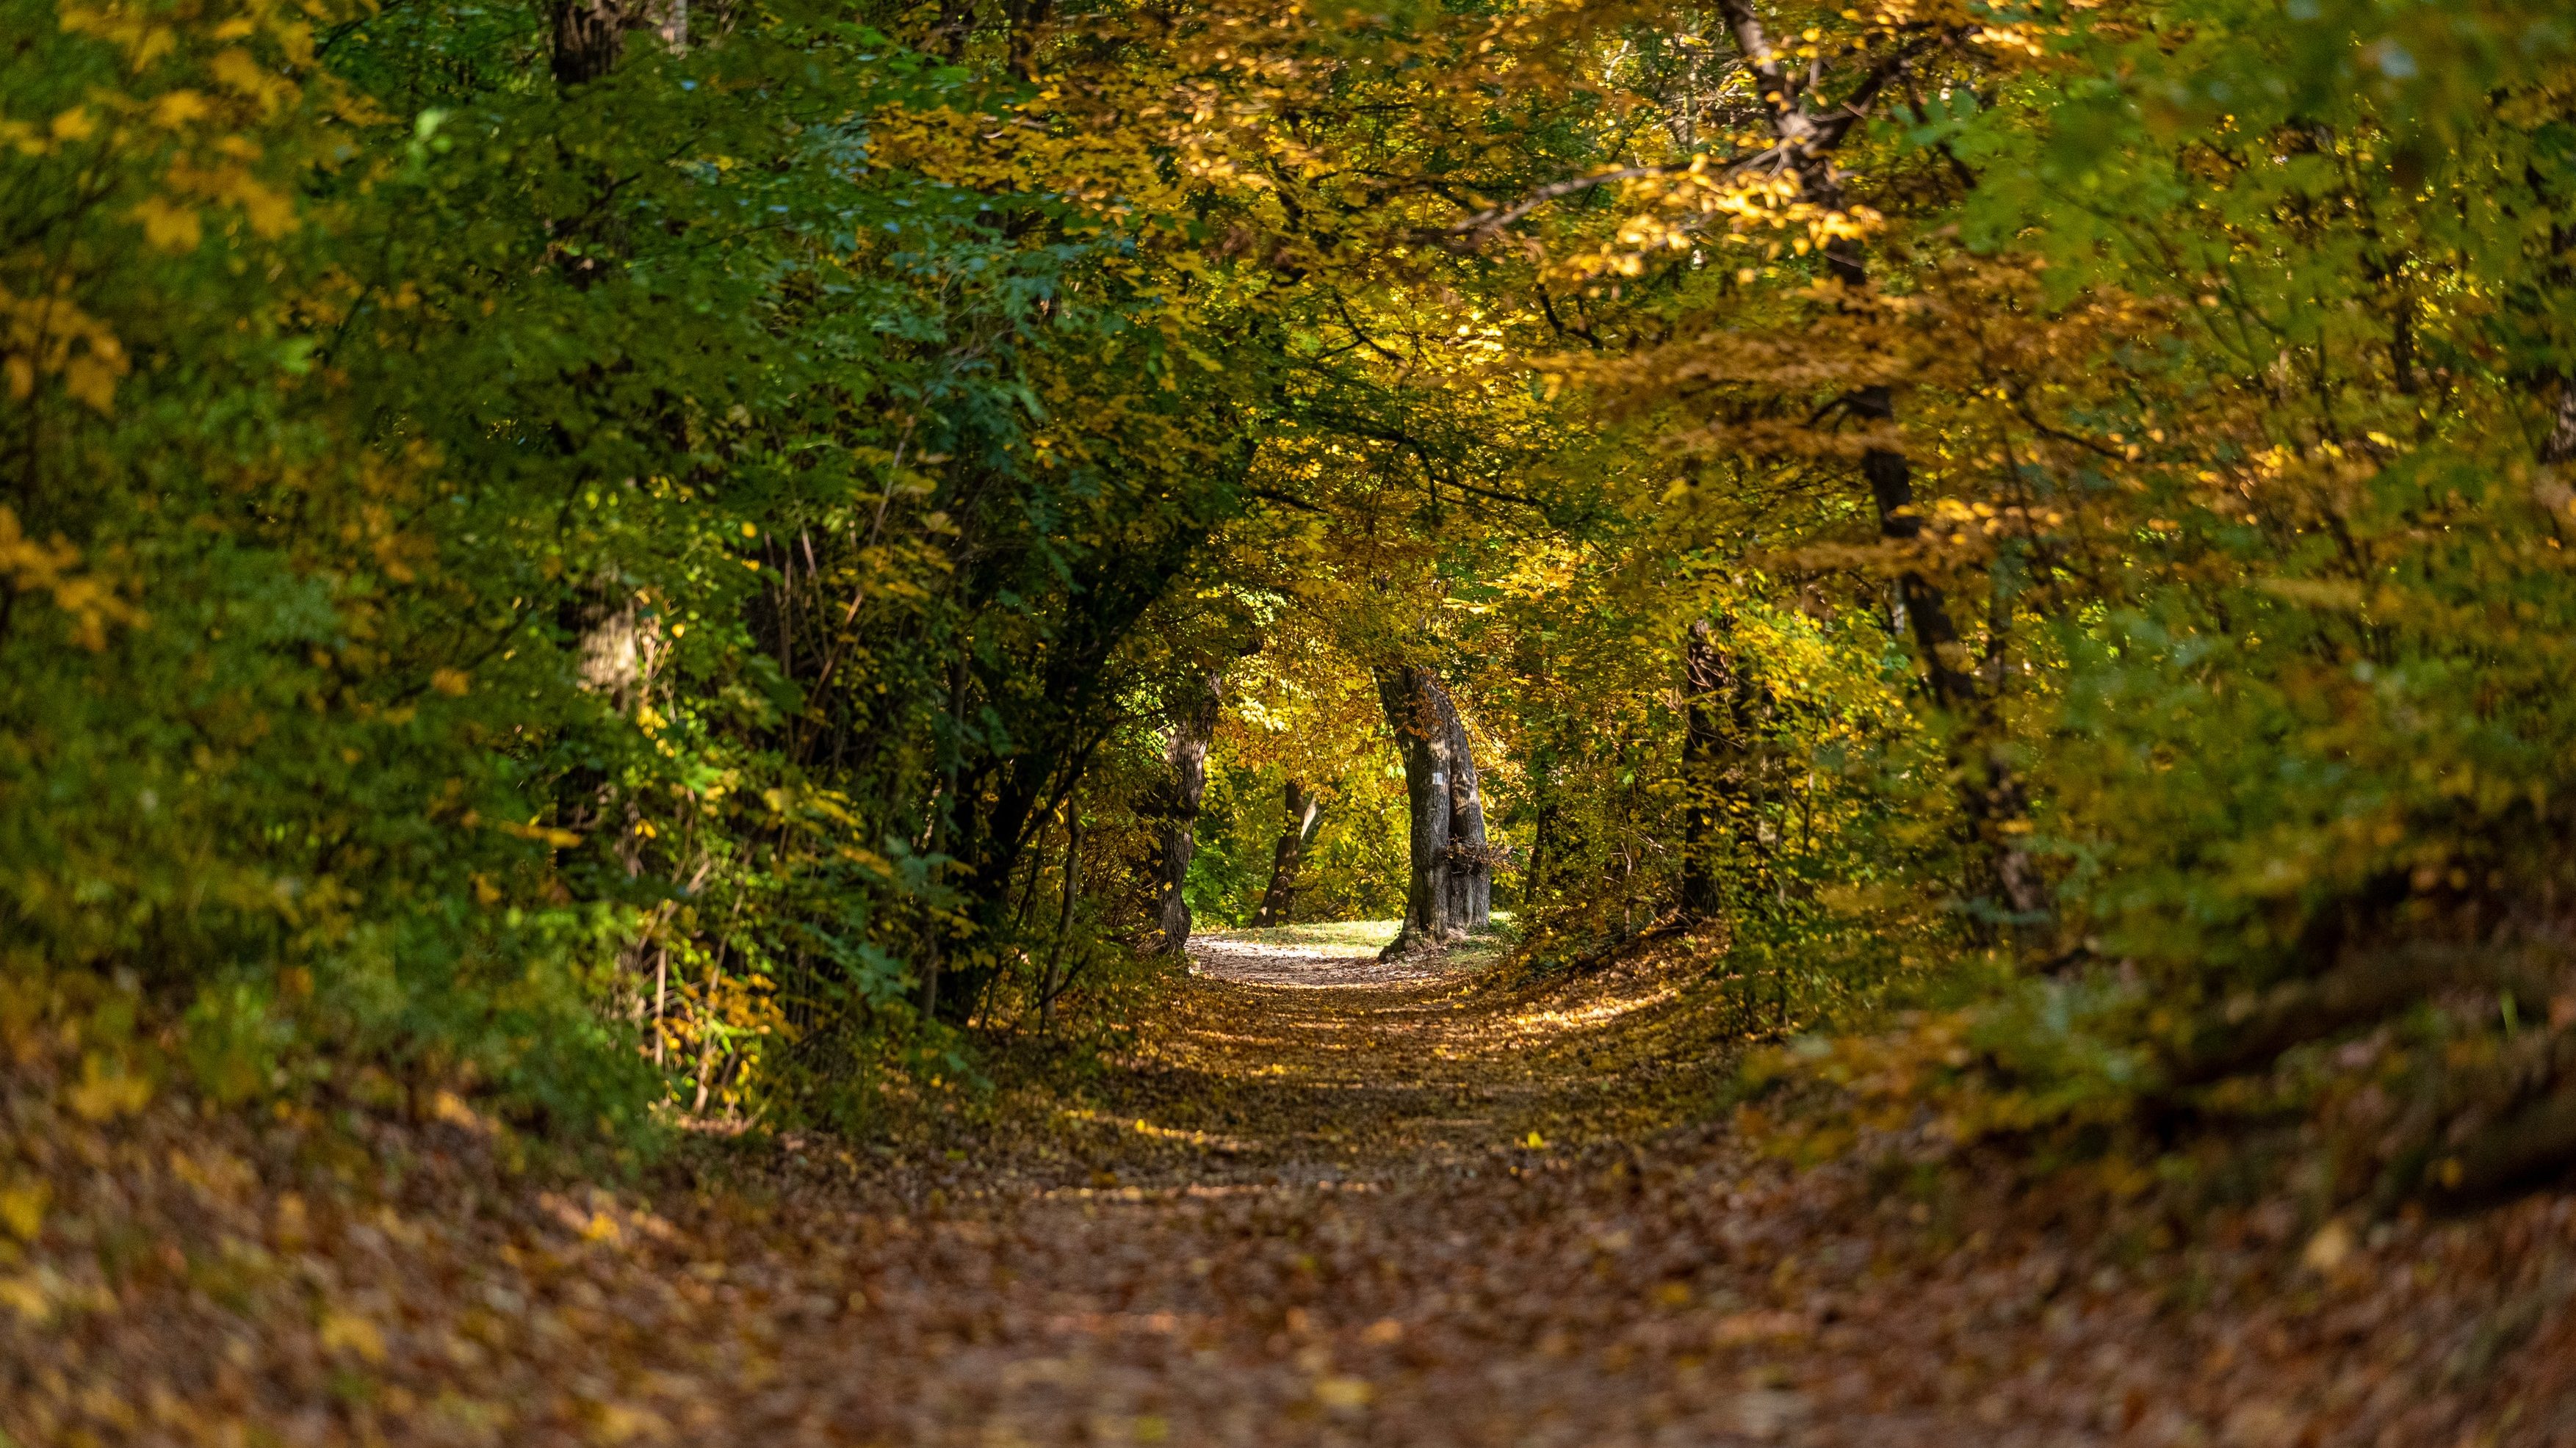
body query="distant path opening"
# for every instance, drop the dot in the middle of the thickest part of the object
(1322, 957)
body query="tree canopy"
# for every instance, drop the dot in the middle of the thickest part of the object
(641, 557)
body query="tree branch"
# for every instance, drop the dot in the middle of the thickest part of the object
(1476, 230)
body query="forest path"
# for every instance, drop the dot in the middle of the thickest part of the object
(1324, 1202)
(1332, 1200)
(1329, 1199)
(1299, 1051)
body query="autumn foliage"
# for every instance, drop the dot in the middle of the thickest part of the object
(578, 568)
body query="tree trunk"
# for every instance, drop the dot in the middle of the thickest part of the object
(1546, 839)
(1187, 754)
(1725, 769)
(1289, 856)
(1053, 984)
(589, 36)
(1891, 488)
(943, 804)
(955, 26)
(1026, 18)
(1709, 684)
(1449, 885)
(2559, 447)
(2558, 391)
(1990, 792)
(1469, 860)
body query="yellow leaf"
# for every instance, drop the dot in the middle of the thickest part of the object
(560, 839)
(89, 380)
(22, 1209)
(27, 1295)
(100, 1095)
(76, 124)
(173, 109)
(348, 1332)
(617, 1423)
(169, 227)
(2329, 1247)
(449, 1107)
(1342, 1392)
(237, 71)
(271, 213)
(450, 681)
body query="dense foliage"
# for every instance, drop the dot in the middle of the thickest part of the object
(629, 553)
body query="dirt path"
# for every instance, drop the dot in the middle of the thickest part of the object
(1330, 1201)
(1325, 1205)
(1342, 1201)
(1305, 1055)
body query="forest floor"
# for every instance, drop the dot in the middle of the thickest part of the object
(1326, 1200)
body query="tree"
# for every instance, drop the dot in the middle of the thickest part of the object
(1449, 871)
(1288, 857)
(1717, 735)
(1193, 725)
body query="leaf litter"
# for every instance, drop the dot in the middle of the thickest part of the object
(1424, 1210)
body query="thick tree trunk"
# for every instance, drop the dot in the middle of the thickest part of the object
(1469, 859)
(1449, 885)
(1187, 755)
(1288, 858)
(1424, 748)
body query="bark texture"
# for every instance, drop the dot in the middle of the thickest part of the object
(1449, 889)
(1288, 857)
(1186, 789)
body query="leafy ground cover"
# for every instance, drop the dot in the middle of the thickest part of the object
(1444, 1209)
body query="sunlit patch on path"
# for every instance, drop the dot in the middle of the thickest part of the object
(1322, 961)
